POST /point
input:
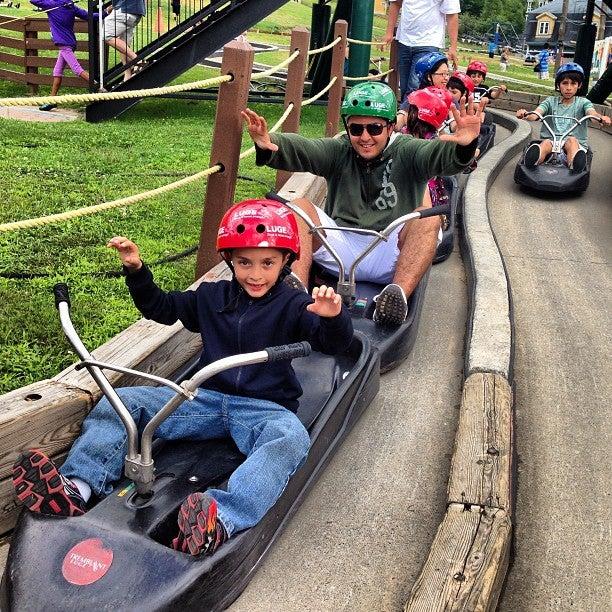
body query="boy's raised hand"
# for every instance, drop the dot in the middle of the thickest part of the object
(326, 302)
(128, 251)
(258, 130)
(468, 120)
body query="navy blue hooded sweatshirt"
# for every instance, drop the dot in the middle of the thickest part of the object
(232, 322)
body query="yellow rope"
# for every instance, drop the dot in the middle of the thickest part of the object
(371, 77)
(371, 43)
(271, 71)
(322, 92)
(139, 197)
(119, 95)
(326, 48)
(90, 210)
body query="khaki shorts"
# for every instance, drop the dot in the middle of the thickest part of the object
(120, 25)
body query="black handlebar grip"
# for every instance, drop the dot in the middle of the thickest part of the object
(445, 209)
(61, 293)
(288, 351)
(272, 195)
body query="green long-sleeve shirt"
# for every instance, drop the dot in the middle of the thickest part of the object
(369, 194)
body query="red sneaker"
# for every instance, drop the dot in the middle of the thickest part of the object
(41, 488)
(200, 533)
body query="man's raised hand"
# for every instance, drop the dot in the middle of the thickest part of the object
(258, 130)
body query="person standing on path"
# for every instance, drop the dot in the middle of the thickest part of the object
(421, 30)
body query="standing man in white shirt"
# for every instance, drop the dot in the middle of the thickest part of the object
(421, 30)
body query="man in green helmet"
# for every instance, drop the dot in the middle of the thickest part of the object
(374, 176)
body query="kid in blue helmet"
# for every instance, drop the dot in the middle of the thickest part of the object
(571, 70)
(432, 69)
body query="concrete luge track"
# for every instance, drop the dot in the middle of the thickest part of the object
(557, 255)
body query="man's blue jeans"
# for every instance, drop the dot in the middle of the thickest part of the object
(273, 439)
(407, 58)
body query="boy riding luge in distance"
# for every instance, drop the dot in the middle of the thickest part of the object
(255, 405)
(567, 81)
(374, 176)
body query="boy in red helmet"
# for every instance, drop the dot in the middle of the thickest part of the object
(255, 405)
(477, 71)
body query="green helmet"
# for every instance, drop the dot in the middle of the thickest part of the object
(370, 100)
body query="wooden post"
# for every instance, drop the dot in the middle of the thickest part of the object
(29, 34)
(296, 73)
(225, 150)
(334, 99)
(393, 79)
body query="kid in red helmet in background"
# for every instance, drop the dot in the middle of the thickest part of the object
(477, 71)
(427, 111)
(255, 405)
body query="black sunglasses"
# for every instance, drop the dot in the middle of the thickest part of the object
(374, 129)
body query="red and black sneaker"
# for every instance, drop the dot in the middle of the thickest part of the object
(41, 488)
(200, 533)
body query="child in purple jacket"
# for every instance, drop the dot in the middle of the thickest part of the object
(61, 14)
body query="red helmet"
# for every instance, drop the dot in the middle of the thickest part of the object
(477, 66)
(464, 79)
(259, 223)
(433, 104)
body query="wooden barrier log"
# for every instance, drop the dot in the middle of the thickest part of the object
(467, 562)
(296, 74)
(481, 467)
(334, 99)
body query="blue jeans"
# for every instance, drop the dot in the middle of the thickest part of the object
(407, 58)
(273, 439)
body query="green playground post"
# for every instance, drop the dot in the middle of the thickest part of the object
(362, 18)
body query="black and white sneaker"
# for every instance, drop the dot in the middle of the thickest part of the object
(41, 488)
(294, 282)
(391, 306)
(532, 154)
(47, 107)
(580, 161)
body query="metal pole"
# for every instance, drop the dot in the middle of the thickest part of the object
(101, 42)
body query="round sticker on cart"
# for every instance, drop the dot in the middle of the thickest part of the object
(87, 562)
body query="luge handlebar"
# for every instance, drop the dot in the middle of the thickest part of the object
(288, 351)
(346, 287)
(62, 294)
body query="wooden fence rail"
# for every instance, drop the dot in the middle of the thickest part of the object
(22, 40)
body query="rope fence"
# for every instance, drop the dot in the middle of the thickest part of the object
(371, 77)
(133, 199)
(274, 69)
(90, 210)
(321, 93)
(326, 48)
(119, 95)
(370, 43)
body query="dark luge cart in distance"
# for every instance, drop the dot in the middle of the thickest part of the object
(118, 555)
(553, 175)
(394, 343)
